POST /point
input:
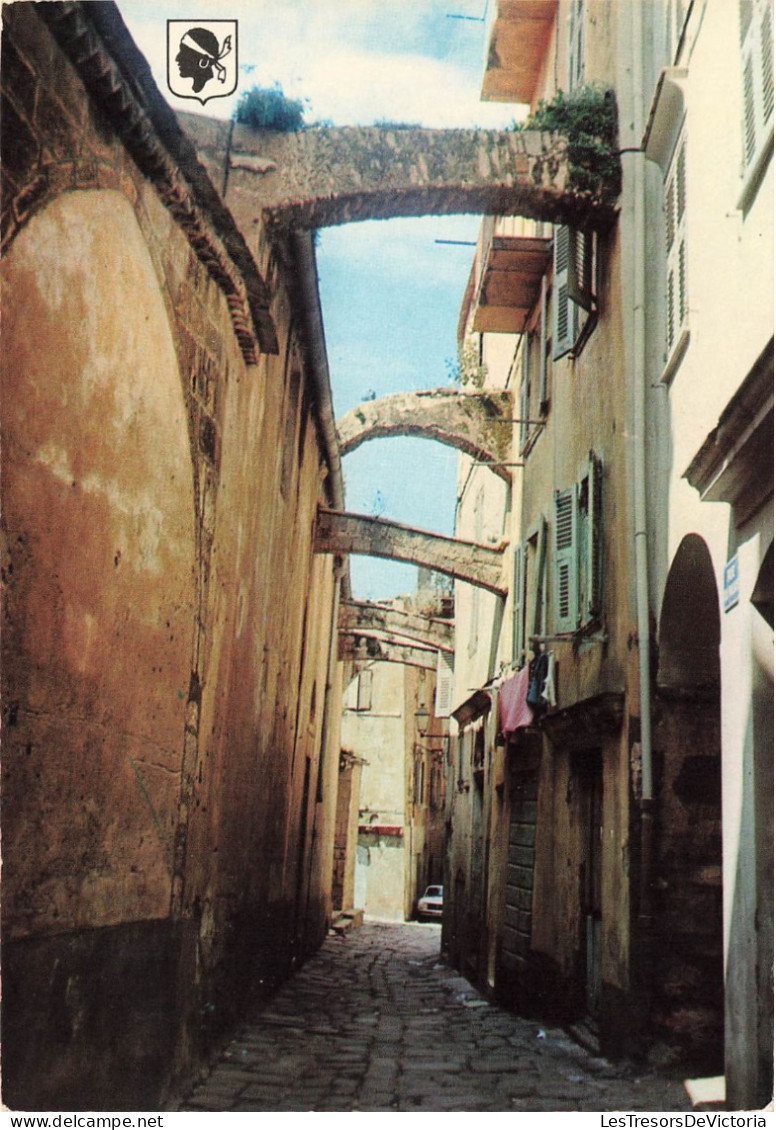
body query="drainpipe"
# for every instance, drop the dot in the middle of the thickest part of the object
(647, 805)
(305, 278)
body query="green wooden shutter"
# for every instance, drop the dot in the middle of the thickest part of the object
(540, 608)
(580, 273)
(563, 309)
(543, 391)
(565, 579)
(594, 548)
(518, 605)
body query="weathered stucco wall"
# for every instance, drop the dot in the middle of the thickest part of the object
(168, 705)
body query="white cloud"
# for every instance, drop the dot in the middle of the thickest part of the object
(356, 61)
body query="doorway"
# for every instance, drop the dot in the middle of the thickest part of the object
(590, 791)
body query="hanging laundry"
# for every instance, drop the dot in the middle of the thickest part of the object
(514, 711)
(548, 689)
(537, 677)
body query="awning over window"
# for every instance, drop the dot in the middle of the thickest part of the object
(517, 40)
(474, 707)
(510, 283)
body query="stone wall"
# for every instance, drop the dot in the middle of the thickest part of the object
(167, 705)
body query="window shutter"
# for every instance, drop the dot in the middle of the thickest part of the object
(364, 700)
(676, 247)
(766, 49)
(756, 30)
(525, 392)
(565, 560)
(518, 605)
(594, 546)
(563, 312)
(580, 273)
(576, 43)
(540, 609)
(443, 699)
(543, 397)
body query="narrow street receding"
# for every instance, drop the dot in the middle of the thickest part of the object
(376, 1021)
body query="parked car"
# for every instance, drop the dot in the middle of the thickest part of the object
(430, 905)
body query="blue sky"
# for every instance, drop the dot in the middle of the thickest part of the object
(390, 292)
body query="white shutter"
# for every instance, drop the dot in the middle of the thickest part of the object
(443, 698)
(364, 701)
(676, 246)
(566, 598)
(756, 29)
(563, 309)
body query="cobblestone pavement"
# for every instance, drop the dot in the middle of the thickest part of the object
(376, 1022)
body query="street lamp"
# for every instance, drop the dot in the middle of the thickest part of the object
(421, 719)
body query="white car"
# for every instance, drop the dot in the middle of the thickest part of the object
(430, 905)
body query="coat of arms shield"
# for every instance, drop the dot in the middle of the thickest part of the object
(202, 58)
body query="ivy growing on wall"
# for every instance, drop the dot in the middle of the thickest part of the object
(587, 117)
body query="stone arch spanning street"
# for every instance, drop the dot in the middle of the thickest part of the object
(318, 178)
(476, 423)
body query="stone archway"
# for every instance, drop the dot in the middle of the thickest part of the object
(688, 984)
(477, 423)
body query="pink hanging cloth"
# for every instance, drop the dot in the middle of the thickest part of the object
(514, 711)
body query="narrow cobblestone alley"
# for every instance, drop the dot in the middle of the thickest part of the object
(376, 1022)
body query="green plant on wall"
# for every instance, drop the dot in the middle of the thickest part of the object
(467, 370)
(267, 107)
(587, 117)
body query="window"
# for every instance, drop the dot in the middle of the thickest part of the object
(529, 607)
(676, 246)
(676, 12)
(574, 304)
(518, 605)
(443, 698)
(534, 393)
(364, 694)
(420, 781)
(576, 43)
(756, 30)
(479, 506)
(578, 551)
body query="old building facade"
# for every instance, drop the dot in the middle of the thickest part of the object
(610, 855)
